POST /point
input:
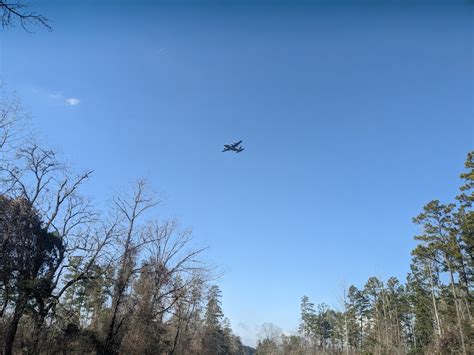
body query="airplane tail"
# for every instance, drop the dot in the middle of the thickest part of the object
(241, 149)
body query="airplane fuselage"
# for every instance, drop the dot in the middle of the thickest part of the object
(235, 147)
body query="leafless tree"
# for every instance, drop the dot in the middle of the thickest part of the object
(13, 118)
(167, 293)
(131, 238)
(34, 174)
(13, 12)
(149, 278)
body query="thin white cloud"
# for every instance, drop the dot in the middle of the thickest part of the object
(55, 96)
(58, 96)
(72, 101)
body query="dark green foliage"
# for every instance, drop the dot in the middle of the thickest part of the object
(29, 259)
(218, 337)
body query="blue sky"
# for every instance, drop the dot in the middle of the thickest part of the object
(353, 116)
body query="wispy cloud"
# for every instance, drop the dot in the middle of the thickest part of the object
(73, 101)
(70, 101)
(55, 96)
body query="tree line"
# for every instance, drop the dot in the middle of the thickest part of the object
(77, 280)
(429, 313)
(74, 279)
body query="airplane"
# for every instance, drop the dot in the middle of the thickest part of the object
(235, 147)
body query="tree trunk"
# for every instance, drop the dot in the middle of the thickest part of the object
(433, 298)
(37, 333)
(456, 304)
(175, 342)
(346, 332)
(13, 326)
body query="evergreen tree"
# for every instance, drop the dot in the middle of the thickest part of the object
(213, 339)
(439, 240)
(308, 321)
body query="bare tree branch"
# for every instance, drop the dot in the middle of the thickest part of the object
(13, 12)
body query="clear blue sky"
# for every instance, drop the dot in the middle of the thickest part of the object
(353, 116)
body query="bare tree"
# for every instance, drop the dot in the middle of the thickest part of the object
(165, 293)
(15, 12)
(132, 237)
(33, 174)
(175, 264)
(343, 302)
(12, 121)
(142, 282)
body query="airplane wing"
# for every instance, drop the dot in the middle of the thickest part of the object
(236, 143)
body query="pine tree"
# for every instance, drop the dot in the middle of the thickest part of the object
(308, 317)
(213, 339)
(420, 298)
(361, 308)
(439, 241)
